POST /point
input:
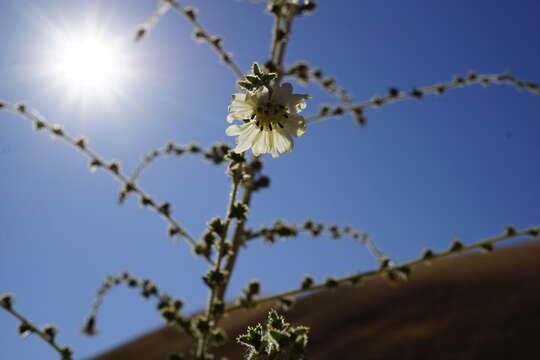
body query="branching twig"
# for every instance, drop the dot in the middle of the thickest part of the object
(216, 276)
(167, 305)
(282, 46)
(283, 230)
(396, 271)
(201, 34)
(112, 168)
(163, 7)
(304, 73)
(216, 154)
(439, 89)
(48, 333)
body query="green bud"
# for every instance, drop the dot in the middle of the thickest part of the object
(307, 282)
(165, 209)
(80, 142)
(6, 301)
(191, 12)
(24, 329)
(427, 254)
(169, 314)
(256, 70)
(202, 324)
(57, 130)
(253, 287)
(50, 331)
(90, 326)
(510, 231)
(216, 225)
(330, 283)
(239, 211)
(455, 246)
(114, 167)
(139, 34)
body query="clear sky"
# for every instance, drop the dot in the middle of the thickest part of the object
(421, 173)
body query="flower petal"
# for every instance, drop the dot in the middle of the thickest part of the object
(295, 125)
(296, 102)
(234, 130)
(259, 144)
(246, 138)
(282, 142)
(282, 93)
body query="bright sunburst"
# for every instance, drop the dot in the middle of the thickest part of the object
(85, 64)
(89, 63)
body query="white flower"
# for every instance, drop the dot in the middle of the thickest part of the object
(269, 122)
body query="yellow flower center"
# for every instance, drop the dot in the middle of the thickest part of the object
(268, 115)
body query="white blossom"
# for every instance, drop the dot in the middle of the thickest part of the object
(270, 120)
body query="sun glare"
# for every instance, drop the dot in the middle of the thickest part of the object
(88, 64)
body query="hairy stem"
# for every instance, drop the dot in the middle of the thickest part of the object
(484, 244)
(214, 292)
(64, 352)
(204, 35)
(437, 89)
(280, 56)
(80, 144)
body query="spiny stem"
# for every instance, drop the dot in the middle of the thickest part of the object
(276, 30)
(314, 229)
(215, 45)
(148, 288)
(485, 244)
(215, 154)
(438, 89)
(80, 144)
(214, 292)
(238, 240)
(65, 352)
(280, 56)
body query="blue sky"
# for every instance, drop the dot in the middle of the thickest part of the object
(421, 173)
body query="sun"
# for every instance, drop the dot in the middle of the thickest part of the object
(89, 63)
(85, 64)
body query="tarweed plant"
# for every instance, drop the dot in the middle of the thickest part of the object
(266, 119)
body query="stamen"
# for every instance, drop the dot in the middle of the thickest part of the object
(253, 116)
(270, 126)
(280, 125)
(258, 123)
(286, 116)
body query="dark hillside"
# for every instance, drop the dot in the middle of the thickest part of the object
(476, 306)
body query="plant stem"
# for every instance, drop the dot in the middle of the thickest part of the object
(356, 277)
(214, 292)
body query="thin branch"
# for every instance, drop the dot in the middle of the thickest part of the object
(283, 230)
(112, 168)
(47, 334)
(237, 242)
(169, 306)
(202, 34)
(304, 73)
(396, 271)
(280, 54)
(215, 154)
(437, 89)
(236, 175)
(163, 7)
